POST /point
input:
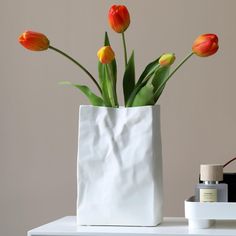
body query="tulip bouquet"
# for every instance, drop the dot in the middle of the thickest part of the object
(149, 86)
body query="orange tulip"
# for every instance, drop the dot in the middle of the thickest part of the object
(119, 18)
(205, 45)
(106, 55)
(34, 41)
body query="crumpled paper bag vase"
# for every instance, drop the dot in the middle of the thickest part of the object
(119, 166)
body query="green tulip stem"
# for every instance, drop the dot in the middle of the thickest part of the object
(125, 50)
(78, 64)
(164, 81)
(180, 64)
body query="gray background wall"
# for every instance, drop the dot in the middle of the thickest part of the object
(39, 118)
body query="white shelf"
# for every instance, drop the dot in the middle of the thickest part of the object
(170, 227)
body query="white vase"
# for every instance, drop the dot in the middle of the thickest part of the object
(119, 166)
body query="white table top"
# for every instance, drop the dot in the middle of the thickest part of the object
(171, 226)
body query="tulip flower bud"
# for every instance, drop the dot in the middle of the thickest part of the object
(106, 55)
(119, 18)
(34, 41)
(205, 45)
(167, 59)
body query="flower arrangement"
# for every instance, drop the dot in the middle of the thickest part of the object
(151, 83)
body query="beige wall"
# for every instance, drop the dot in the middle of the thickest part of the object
(39, 118)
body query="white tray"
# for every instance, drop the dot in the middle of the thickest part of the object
(203, 215)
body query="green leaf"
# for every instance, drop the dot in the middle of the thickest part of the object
(110, 86)
(134, 93)
(150, 69)
(129, 78)
(93, 98)
(104, 78)
(113, 63)
(106, 40)
(146, 76)
(160, 75)
(145, 96)
(137, 88)
(103, 81)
